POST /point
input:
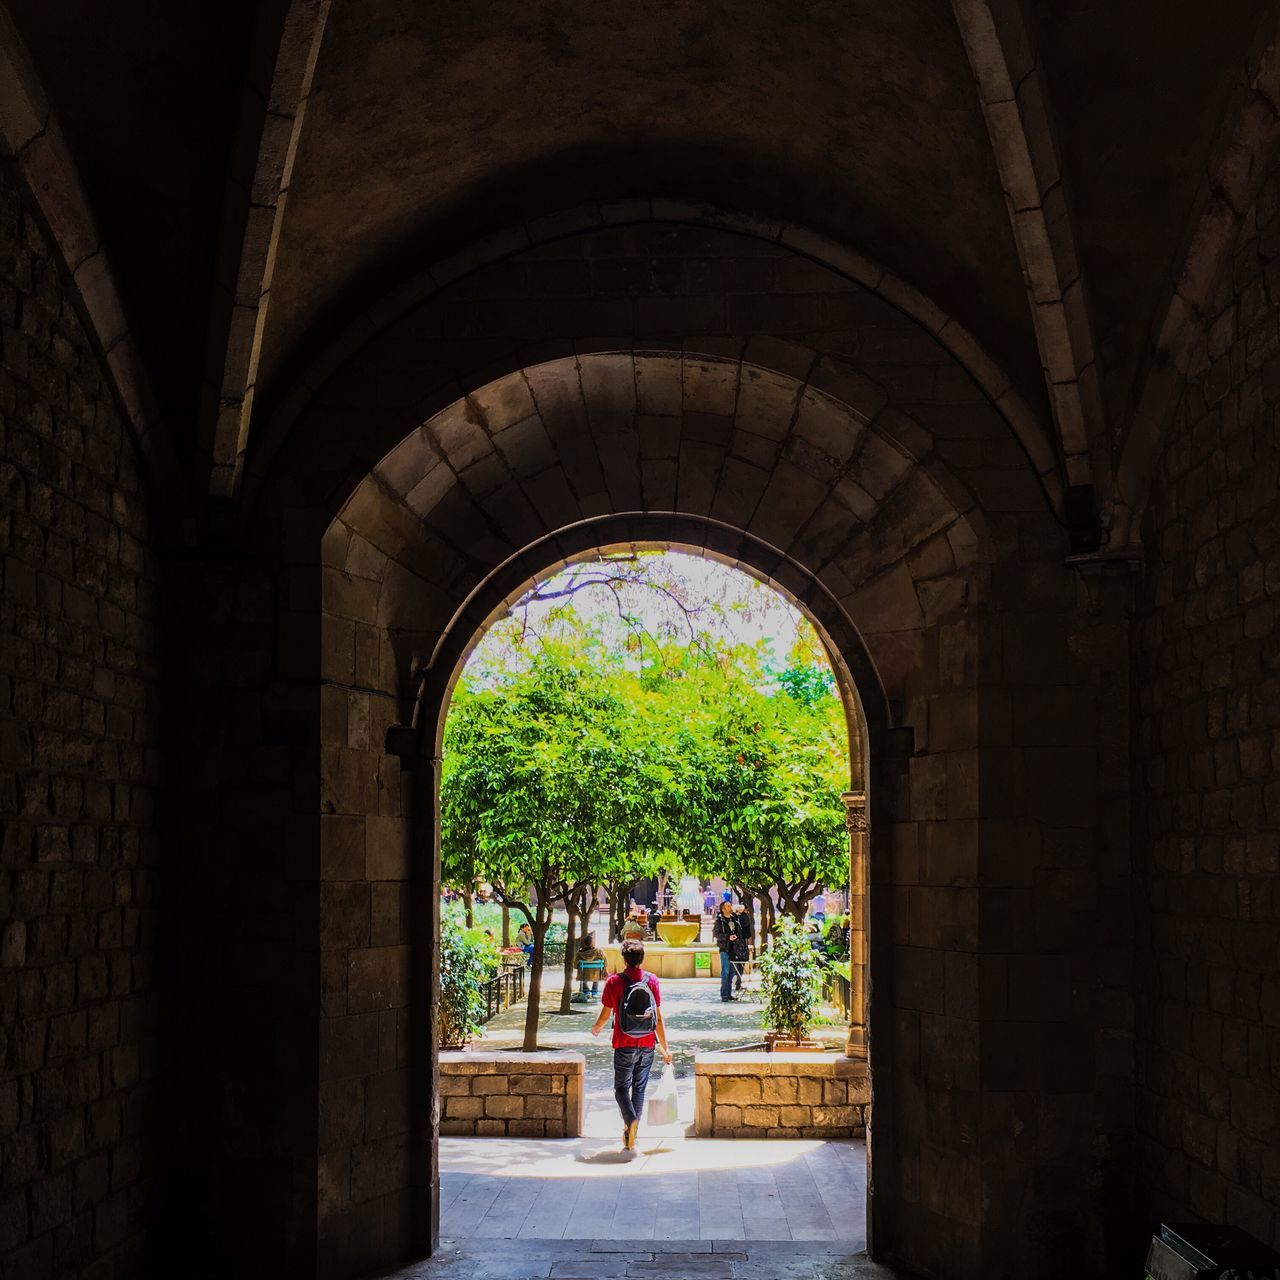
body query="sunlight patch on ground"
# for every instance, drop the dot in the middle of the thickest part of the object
(593, 1157)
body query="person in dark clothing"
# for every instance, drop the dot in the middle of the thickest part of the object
(725, 934)
(742, 948)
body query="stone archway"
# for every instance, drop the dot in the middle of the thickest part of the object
(551, 462)
(443, 450)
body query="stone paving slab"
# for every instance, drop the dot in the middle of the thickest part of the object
(671, 1260)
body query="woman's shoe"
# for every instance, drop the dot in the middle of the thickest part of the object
(629, 1135)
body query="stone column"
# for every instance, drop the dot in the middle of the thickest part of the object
(855, 821)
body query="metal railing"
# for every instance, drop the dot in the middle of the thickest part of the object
(503, 990)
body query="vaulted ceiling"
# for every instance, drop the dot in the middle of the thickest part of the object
(430, 125)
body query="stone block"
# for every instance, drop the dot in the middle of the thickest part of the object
(727, 1117)
(491, 1084)
(504, 1107)
(491, 1128)
(464, 1108)
(526, 1128)
(760, 1117)
(545, 1108)
(841, 1118)
(452, 1086)
(737, 1089)
(780, 1089)
(531, 1084)
(795, 1117)
(808, 1092)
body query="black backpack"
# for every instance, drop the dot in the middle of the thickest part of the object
(637, 1010)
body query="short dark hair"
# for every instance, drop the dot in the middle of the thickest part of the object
(632, 953)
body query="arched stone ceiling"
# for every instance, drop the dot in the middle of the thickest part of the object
(147, 95)
(436, 124)
(430, 125)
(1138, 91)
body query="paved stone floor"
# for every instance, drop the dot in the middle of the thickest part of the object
(678, 1206)
(603, 1259)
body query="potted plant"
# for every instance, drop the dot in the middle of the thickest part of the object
(466, 964)
(791, 985)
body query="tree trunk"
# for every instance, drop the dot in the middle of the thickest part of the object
(617, 912)
(663, 877)
(578, 905)
(540, 923)
(506, 925)
(468, 902)
(570, 955)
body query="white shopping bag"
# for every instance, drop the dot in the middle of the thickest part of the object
(661, 1104)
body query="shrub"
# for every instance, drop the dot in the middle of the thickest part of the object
(791, 982)
(467, 962)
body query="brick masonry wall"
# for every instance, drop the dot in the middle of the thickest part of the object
(494, 1095)
(82, 1053)
(759, 1095)
(1207, 743)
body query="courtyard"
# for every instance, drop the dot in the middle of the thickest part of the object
(673, 1187)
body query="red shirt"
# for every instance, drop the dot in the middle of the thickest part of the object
(612, 994)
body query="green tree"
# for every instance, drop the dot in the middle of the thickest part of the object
(546, 790)
(595, 745)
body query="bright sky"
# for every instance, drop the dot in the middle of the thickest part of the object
(724, 602)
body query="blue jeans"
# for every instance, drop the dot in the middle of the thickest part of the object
(726, 976)
(631, 1069)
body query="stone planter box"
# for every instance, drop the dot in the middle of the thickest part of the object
(516, 1095)
(665, 962)
(781, 1095)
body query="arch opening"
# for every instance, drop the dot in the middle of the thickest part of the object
(661, 679)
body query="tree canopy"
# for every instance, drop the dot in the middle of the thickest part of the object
(615, 725)
(616, 740)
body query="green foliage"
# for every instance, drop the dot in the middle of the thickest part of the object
(807, 683)
(791, 982)
(467, 961)
(594, 749)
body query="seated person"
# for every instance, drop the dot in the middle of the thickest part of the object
(632, 928)
(524, 940)
(590, 964)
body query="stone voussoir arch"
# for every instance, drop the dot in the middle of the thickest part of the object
(364, 330)
(822, 492)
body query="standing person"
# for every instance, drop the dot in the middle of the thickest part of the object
(725, 933)
(635, 1001)
(746, 931)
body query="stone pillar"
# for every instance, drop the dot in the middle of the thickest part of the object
(855, 821)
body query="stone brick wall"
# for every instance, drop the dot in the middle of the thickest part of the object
(781, 1095)
(83, 1049)
(524, 1095)
(1207, 742)
(999, 864)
